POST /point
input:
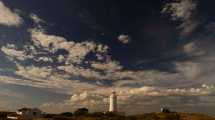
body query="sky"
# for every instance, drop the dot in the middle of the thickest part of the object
(60, 55)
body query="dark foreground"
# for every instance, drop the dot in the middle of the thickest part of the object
(148, 116)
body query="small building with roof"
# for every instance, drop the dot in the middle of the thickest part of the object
(26, 113)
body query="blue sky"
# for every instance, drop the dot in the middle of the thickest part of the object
(62, 55)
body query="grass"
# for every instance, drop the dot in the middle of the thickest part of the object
(147, 116)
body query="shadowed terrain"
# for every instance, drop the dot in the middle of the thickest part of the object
(147, 116)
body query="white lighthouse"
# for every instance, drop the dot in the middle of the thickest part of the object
(113, 102)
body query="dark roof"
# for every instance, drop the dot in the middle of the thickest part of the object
(5, 112)
(24, 109)
(13, 115)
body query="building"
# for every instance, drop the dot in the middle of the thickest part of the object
(4, 114)
(13, 116)
(165, 110)
(26, 113)
(113, 102)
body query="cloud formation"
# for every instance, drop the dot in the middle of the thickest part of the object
(89, 80)
(126, 97)
(36, 18)
(183, 11)
(9, 17)
(76, 51)
(124, 39)
(11, 51)
(87, 72)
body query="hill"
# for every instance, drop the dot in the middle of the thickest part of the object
(147, 116)
(173, 116)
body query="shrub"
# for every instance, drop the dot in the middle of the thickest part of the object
(81, 112)
(67, 114)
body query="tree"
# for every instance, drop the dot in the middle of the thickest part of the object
(97, 114)
(81, 112)
(67, 114)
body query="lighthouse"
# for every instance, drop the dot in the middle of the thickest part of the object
(113, 102)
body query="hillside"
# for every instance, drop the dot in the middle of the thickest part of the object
(147, 116)
(173, 116)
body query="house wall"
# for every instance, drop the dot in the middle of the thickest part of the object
(30, 114)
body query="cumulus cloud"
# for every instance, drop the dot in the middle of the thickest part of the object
(11, 51)
(76, 51)
(180, 9)
(184, 11)
(126, 97)
(189, 69)
(88, 85)
(44, 78)
(190, 47)
(9, 17)
(101, 72)
(36, 18)
(76, 54)
(51, 77)
(86, 72)
(109, 66)
(124, 39)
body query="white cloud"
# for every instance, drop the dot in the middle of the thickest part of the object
(77, 51)
(89, 81)
(156, 91)
(8, 17)
(45, 59)
(190, 70)
(43, 78)
(36, 18)
(109, 66)
(32, 71)
(61, 58)
(85, 94)
(76, 55)
(184, 11)
(125, 80)
(126, 97)
(190, 48)
(125, 39)
(11, 51)
(180, 9)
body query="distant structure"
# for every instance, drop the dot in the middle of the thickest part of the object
(113, 102)
(26, 113)
(165, 110)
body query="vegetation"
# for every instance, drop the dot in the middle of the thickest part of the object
(114, 116)
(147, 116)
(67, 114)
(83, 114)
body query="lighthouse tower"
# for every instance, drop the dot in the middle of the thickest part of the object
(113, 102)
